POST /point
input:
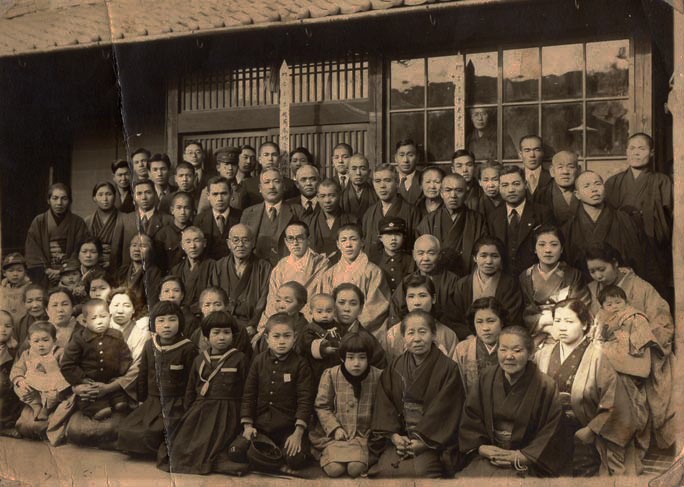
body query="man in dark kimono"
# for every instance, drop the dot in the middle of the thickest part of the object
(269, 219)
(559, 195)
(326, 219)
(456, 226)
(121, 174)
(53, 236)
(596, 223)
(426, 254)
(418, 407)
(306, 179)
(268, 157)
(359, 194)
(390, 204)
(406, 156)
(245, 278)
(490, 199)
(146, 219)
(513, 222)
(463, 163)
(197, 271)
(216, 221)
(531, 152)
(647, 196)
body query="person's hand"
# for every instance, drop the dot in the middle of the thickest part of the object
(488, 451)
(87, 392)
(340, 434)
(52, 274)
(25, 390)
(401, 443)
(105, 389)
(293, 444)
(329, 350)
(508, 458)
(585, 435)
(416, 447)
(249, 432)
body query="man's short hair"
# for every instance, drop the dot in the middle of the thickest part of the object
(185, 165)
(120, 164)
(160, 158)
(141, 150)
(512, 169)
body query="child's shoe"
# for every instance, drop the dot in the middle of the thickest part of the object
(121, 407)
(102, 414)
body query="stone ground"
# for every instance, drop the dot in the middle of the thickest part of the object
(36, 463)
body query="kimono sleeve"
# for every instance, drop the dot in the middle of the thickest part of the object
(386, 419)
(260, 304)
(472, 432)
(376, 307)
(325, 403)
(35, 256)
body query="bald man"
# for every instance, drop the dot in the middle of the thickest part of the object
(559, 195)
(456, 226)
(597, 223)
(245, 278)
(426, 254)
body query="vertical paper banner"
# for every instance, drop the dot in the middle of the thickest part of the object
(459, 102)
(285, 98)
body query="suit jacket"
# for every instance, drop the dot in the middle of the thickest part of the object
(251, 186)
(270, 247)
(131, 227)
(522, 256)
(127, 205)
(217, 247)
(544, 180)
(414, 192)
(297, 201)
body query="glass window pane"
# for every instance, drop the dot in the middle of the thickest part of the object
(407, 83)
(407, 126)
(518, 122)
(562, 128)
(607, 128)
(440, 139)
(481, 78)
(481, 137)
(521, 74)
(562, 71)
(440, 81)
(608, 68)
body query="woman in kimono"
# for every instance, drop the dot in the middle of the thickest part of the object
(490, 280)
(512, 420)
(431, 183)
(53, 236)
(104, 224)
(597, 410)
(549, 282)
(89, 253)
(477, 352)
(603, 265)
(418, 407)
(141, 275)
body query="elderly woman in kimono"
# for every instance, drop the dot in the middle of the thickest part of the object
(355, 268)
(303, 265)
(548, 282)
(603, 265)
(598, 415)
(512, 420)
(53, 236)
(418, 407)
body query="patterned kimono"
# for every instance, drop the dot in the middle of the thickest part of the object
(370, 279)
(110, 257)
(472, 357)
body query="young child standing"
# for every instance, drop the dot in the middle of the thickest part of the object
(36, 376)
(95, 357)
(212, 400)
(35, 302)
(164, 371)
(279, 395)
(10, 406)
(14, 282)
(344, 405)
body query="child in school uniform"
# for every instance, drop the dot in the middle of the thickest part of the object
(35, 374)
(344, 406)
(14, 282)
(162, 380)
(197, 271)
(95, 357)
(35, 302)
(279, 395)
(212, 400)
(394, 261)
(290, 298)
(10, 406)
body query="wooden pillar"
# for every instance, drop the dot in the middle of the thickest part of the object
(172, 119)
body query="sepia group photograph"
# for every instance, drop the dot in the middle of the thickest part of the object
(341, 242)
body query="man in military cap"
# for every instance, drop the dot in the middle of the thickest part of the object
(394, 261)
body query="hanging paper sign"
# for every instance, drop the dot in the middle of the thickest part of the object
(285, 97)
(458, 76)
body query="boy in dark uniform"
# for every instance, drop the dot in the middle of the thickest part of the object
(394, 261)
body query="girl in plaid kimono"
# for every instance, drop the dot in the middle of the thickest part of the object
(344, 406)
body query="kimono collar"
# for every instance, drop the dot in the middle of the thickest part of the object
(547, 275)
(58, 219)
(360, 263)
(180, 341)
(300, 262)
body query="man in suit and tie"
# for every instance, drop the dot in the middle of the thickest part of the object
(531, 151)
(340, 159)
(194, 154)
(268, 157)
(406, 157)
(146, 219)
(216, 221)
(307, 179)
(268, 220)
(121, 173)
(513, 222)
(159, 166)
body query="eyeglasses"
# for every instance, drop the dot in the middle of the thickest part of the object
(239, 240)
(295, 238)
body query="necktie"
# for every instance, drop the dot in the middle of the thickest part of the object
(143, 223)
(403, 183)
(513, 227)
(309, 208)
(343, 181)
(532, 182)
(221, 223)
(272, 214)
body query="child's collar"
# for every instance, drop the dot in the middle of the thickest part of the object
(275, 356)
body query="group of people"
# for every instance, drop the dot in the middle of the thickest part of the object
(396, 321)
